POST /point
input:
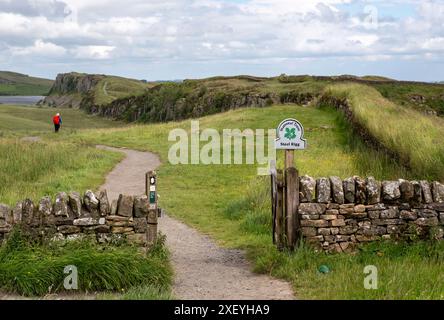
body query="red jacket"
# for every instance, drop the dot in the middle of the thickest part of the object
(56, 120)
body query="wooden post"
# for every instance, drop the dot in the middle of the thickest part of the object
(151, 192)
(279, 219)
(289, 159)
(292, 206)
(273, 192)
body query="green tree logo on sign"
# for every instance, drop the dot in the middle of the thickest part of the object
(290, 133)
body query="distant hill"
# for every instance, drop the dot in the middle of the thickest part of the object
(69, 89)
(199, 97)
(17, 84)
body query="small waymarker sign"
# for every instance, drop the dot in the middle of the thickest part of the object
(290, 135)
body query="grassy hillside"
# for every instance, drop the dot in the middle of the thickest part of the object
(196, 98)
(111, 88)
(70, 89)
(16, 84)
(34, 119)
(416, 139)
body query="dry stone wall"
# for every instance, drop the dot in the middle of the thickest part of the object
(73, 216)
(336, 214)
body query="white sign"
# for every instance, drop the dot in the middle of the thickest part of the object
(290, 135)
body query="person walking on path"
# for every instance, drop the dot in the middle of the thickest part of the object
(57, 120)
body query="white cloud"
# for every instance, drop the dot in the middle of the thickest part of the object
(39, 48)
(93, 52)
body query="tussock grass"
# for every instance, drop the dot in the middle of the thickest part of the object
(418, 139)
(37, 269)
(31, 170)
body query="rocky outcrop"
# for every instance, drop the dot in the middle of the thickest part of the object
(172, 102)
(69, 89)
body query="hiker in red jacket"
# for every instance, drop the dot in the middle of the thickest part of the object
(57, 120)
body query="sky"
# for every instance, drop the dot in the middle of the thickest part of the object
(179, 39)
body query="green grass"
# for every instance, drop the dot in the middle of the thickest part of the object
(38, 269)
(12, 84)
(415, 137)
(33, 170)
(402, 94)
(111, 88)
(35, 119)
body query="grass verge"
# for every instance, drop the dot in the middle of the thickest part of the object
(38, 269)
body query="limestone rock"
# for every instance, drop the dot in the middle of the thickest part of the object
(91, 203)
(373, 191)
(426, 191)
(307, 189)
(61, 205)
(337, 190)
(323, 190)
(125, 206)
(45, 206)
(17, 212)
(141, 206)
(391, 190)
(417, 192)
(104, 207)
(408, 215)
(86, 222)
(312, 208)
(75, 202)
(349, 190)
(361, 191)
(140, 225)
(68, 229)
(407, 191)
(390, 213)
(438, 192)
(28, 212)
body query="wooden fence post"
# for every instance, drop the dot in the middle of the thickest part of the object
(279, 219)
(152, 219)
(292, 206)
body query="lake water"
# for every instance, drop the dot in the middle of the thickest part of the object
(20, 100)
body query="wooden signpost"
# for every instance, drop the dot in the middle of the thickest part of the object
(151, 192)
(285, 189)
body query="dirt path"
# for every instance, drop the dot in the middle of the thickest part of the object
(203, 270)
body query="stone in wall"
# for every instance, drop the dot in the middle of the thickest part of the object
(75, 202)
(373, 191)
(417, 192)
(349, 190)
(407, 190)
(307, 189)
(337, 190)
(61, 205)
(91, 203)
(104, 207)
(391, 190)
(426, 191)
(323, 190)
(125, 205)
(141, 206)
(438, 191)
(361, 191)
